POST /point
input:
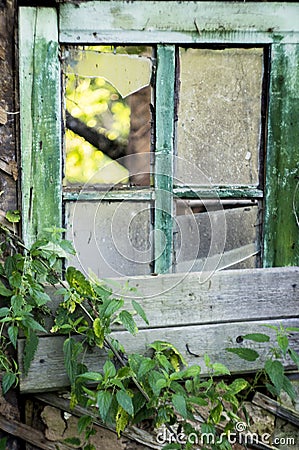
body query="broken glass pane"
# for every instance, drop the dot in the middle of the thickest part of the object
(108, 121)
(112, 239)
(219, 115)
(226, 232)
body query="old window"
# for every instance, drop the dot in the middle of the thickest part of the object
(212, 184)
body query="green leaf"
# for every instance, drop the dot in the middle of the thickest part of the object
(30, 348)
(197, 400)
(216, 412)
(207, 360)
(4, 312)
(104, 399)
(295, 329)
(52, 247)
(29, 322)
(125, 401)
(16, 303)
(4, 292)
(121, 420)
(238, 385)
(140, 311)
(13, 216)
(109, 369)
(146, 365)
(77, 280)
(40, 298)
(192, 371)
(288, 387)
(91, 376)
(172, 446)
(275, 371)
(124, 372)
(110, 306)
(83, 423)
(294, 355)
(13, 332)
(179, 402)
(3, 442)
(244, 353)
(8, 380)
(220, 369)
(15, 280)
(98, 330)
(283, 343)
(67, 246)
(72, 441)
(71, 350)
(257, 337)
(128, 322)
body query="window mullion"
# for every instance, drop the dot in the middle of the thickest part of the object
(163, 224)
(281, 231)
(40, 121)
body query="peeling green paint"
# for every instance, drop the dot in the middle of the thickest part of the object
(40, 122)
(164, 158)
(281, 232)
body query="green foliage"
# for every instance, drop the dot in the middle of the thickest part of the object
(23, 274)
(158, 385)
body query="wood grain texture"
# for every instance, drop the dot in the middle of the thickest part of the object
(184, 22)
(281, 231)
(206, 317)
(40, 121)
(276, 408)
(28, 434)
(47, 369)
(164, 153)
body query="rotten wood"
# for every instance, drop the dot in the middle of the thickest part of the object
(3, 116)
(28, 434)
(132, 432)
(10, 168)
(276, 408)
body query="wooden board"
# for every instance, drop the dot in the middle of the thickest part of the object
(207, 317)
(281, 231)
(40, 115)
(184, 22)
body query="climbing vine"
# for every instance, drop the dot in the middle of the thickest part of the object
(158, 385)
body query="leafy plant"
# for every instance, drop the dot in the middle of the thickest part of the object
(157, 386)
(280, 354)
(23, 274)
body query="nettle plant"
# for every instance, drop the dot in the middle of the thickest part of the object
(158, 386)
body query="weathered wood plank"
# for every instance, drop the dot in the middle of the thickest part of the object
(184, 22)
(281, 231)
(276, 408)
(47, 369)
(40, 121)
(28, 434)
(164, 158)
(217, 191)
(228, 296)
(208, 317)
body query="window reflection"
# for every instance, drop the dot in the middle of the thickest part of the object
(108, 121)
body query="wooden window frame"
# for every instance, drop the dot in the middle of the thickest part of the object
(275, 25)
